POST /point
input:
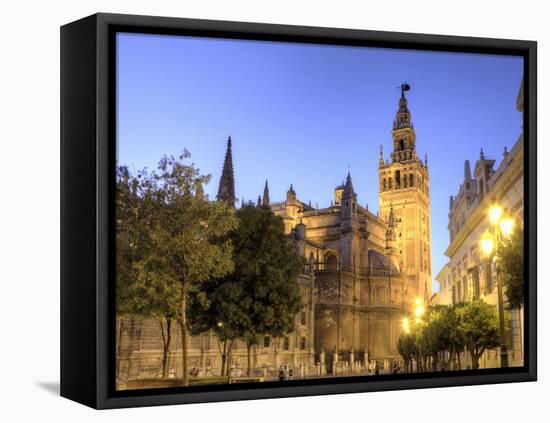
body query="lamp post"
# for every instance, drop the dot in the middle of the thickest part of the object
(489, 245)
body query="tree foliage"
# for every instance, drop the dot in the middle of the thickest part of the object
(434, 335)
(406, 345)
(472, 326)
(181, 240)
(478, 327)
(261, 296)
(510, 265)
(140, 291)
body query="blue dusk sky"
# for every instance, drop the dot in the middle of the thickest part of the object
(302, 113)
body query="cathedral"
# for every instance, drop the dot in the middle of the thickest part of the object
(363, 271)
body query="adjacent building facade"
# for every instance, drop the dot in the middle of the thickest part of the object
(363, 272)
(468, 275)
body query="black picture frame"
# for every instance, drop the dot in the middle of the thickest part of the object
(88, 151)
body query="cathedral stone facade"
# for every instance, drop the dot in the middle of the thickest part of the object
(362, 274)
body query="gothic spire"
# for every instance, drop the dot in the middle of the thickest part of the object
(265, 198)
(290, 194)
(467, 170)
(226, 189)
(348, 188)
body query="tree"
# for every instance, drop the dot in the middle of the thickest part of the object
(217, 307)
(406, 345)
(132, 242)
(267, 267)
(187, 236)
(262, 295)
(511, 269)
(455, 335)
(140, 291)
(435, 334)
(478, 326)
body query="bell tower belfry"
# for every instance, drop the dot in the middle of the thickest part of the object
(404, 194)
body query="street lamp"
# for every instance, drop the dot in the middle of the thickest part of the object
(495, 213)
(419, 308)
(489, 243)
(507, 227)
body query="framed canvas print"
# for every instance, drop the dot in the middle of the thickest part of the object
(258, 211)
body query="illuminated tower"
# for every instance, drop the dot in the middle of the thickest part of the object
(405, 188)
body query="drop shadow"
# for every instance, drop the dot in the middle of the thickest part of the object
(51, 387)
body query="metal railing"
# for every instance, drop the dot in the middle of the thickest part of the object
(331, 267)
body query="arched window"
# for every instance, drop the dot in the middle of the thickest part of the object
(405, 180)
(401, 145)
(411, 180)
(397, 179)
(311, 262)
(384, 184)
(389, 182)
(332, 263)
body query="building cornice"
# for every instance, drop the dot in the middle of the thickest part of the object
(501, 185)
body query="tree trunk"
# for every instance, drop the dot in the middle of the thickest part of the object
(248, 359)
(222, 370)
(183, 327)
(458, 359)
(224, 348)
(475, 359)
(166, 340)
(223, 352)
(119, 346)
(228, 361)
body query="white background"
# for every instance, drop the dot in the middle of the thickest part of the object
(29, 193)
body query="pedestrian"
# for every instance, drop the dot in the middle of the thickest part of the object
(281, 374)
(376, 368)
(290, 373)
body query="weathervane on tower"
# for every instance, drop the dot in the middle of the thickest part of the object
(404, 87)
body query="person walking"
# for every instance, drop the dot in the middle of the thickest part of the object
(281, 374)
